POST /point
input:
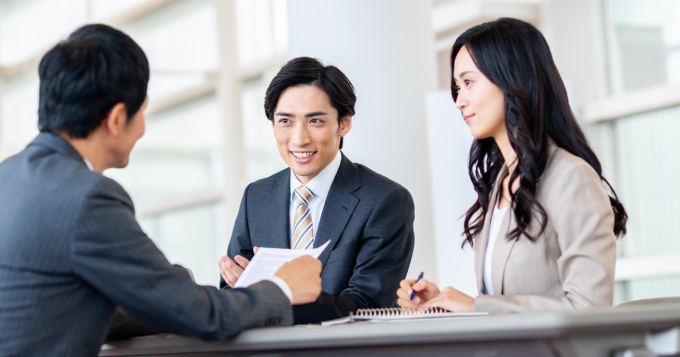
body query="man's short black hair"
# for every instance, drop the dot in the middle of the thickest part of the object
(84, 76)
(310, 71)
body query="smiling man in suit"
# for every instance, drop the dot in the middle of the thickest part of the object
(323, 196)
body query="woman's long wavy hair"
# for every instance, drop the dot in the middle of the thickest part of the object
(515, 57)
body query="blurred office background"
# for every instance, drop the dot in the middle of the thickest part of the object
(207, 136)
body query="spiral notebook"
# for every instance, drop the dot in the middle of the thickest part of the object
(398, 313)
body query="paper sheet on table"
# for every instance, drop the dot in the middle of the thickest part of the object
(268, 260)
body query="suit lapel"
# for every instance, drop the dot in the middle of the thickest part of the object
(338, 207)
(278, 205)
(483, 238)
(503, 247)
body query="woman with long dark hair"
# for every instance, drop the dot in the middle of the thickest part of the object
(544, 226)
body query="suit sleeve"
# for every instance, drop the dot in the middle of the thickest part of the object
(581, 214)
(240, 243)
(111, 253)
(382, 262)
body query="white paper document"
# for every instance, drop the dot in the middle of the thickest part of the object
(268, 260)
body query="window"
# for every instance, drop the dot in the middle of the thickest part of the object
(19, 112)
(262, 29)
(187, 173)
(640, 141)
(262, 158)
(644, 43)
(29, 27)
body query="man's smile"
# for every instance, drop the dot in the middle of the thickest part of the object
(303, 156)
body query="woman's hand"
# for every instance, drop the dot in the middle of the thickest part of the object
(452, 300)
(425, 291)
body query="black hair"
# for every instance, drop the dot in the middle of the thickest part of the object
(85, 75)
(310, 71)
(516, 58)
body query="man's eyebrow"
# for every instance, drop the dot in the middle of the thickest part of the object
(283, 114)
(315, 114)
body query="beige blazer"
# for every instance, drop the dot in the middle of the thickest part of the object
(571, 265)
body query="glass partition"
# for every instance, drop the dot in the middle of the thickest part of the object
(177, 171)
(187, 237)
(649, 180)
(262, 155)
(28, 27)
(644, 43)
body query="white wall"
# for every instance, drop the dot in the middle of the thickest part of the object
(449, 142)
(385, 47)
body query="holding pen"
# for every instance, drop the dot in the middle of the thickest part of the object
(422, 294)
(413, 294)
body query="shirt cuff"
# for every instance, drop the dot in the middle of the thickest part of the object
(282, 285)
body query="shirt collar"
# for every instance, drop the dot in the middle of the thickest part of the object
(321, 183)
(89, 165)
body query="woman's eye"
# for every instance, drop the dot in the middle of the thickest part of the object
(468, 82)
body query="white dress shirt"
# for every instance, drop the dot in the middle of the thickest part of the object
(496, 220)
(320, 185)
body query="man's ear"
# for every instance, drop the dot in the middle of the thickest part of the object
(116, 120)
(345, 125)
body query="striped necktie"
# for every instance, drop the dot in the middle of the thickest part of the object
(303, 233)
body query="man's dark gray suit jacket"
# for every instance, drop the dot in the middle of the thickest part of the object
(369, 221)
(71, 250)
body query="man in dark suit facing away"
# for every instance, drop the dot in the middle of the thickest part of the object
(322, 197)
(70, 247)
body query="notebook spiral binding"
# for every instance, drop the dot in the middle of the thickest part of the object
(395, 311)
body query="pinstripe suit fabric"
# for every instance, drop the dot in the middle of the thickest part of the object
(71, 250)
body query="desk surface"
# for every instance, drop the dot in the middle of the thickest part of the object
(614, 328)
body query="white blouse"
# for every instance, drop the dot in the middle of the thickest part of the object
(496, 220)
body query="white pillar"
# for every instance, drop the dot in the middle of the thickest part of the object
(386, 49)
(228, 93)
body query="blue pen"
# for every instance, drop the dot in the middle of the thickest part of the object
(413, 294)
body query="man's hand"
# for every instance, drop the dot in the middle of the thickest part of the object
(231, 271)
(303, 276)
